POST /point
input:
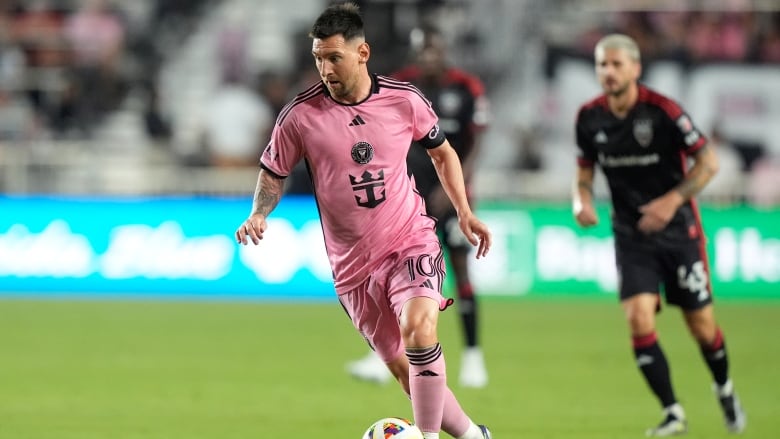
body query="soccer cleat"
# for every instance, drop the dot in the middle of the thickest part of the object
(733, 414)
(485, 432)
(472, 369)
(672, 425)
(370, 368)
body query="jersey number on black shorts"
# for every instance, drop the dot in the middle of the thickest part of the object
(695, 280)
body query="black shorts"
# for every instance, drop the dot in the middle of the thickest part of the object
(680, 272)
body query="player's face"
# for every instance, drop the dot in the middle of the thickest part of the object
(616, 71)
(432, 62)
(339, 63)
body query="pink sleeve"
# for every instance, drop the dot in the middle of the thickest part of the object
(284, 150)
(424, 117)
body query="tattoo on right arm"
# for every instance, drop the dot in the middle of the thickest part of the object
(267, 193)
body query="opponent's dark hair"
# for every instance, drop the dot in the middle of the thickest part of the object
(341, 18)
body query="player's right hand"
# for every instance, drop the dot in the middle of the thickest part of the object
(586, 216)
(253, 228)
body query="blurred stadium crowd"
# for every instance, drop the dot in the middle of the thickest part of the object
(178, 96)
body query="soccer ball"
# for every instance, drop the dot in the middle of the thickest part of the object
(393, 428)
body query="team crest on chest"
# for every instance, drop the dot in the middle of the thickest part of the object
(643, 131)
(362, 152)
(450, 102)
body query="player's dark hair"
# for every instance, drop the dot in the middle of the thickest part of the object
(425, 36)
(341, 18)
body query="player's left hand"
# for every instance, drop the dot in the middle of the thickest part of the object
(477, 233)
(657, 213)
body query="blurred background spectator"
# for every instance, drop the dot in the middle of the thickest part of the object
(102, 93)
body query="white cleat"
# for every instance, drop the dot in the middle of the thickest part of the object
(733, 414)
(370, 368)
(472, 369)
(673, 423)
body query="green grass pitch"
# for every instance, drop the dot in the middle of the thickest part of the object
(559, 369)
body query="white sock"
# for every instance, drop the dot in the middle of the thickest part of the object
(430, 435)
(677, 410)
(472, 433)
(726, 389)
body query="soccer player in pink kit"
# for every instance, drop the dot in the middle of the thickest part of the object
(353, 130)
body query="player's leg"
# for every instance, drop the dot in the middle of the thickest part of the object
(414, 293)
(640, 312)
(433, 403)
(472, 372)
(367, 314)
(369, 368)
(640, 277)
(427, 368)
(691, 290)
(708, 334)
(454, 421)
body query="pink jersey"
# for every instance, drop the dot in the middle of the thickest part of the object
(356, 154)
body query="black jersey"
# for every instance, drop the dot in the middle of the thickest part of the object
(643, 156)
(461, 105)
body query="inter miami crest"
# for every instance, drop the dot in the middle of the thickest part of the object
(362, 152)
(643, 131)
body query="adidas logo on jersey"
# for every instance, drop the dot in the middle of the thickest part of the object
(357, 120)
(601, 137)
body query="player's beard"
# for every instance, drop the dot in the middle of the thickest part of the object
(339, 90)
(617, 91)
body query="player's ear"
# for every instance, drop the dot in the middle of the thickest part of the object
(364, 52)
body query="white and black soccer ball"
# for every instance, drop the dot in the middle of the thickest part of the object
(393, 428)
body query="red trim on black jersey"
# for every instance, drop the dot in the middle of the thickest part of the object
(472, 83)
(698, 146)
(670, 107)
(585, 163)
(698, 232)
(452, 75)
(408, 73)
(599, 101)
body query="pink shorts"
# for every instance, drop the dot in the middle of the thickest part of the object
(375, 305)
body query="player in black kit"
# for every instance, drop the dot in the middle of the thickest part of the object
(459, 99)
(643, 141)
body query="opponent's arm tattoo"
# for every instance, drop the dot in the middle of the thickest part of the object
(700, 173)
(267, 193)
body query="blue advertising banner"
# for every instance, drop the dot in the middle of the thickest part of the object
(185, 248)
(169, 246)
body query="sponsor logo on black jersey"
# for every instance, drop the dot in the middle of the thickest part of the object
(684, 123)
(362, 152)
(450, 103)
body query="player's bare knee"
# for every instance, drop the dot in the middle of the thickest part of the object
(641, 319)
(418, 322)
(703, 328)
(419, 332)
